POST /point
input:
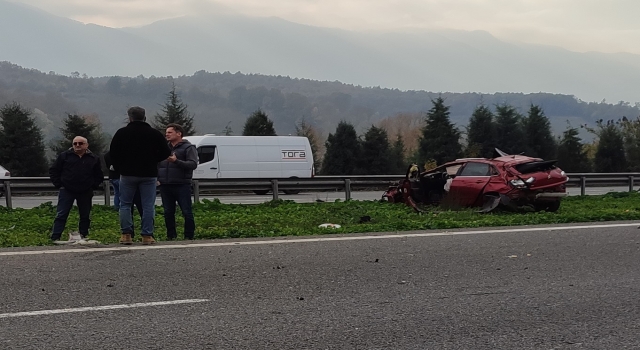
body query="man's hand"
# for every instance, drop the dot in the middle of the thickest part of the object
(172, 158)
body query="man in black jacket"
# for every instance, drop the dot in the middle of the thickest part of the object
(76, 173)
(174, 176)
(135, 153)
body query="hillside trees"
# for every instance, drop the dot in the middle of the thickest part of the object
(481, 133)
(537, 131)
(258, 124)
(74, 125)
(376, 152)
(21, 142)
(572, 155)
(610, 156)
(342, 152)
(174, 111)
(509, 134)
(440, 140)
(303, 128)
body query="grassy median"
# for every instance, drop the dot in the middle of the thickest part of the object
(31, 227)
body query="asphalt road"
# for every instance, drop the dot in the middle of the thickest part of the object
(303, 197)
(569, 287)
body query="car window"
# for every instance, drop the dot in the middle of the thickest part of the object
(475, 169)
(206, 154)
(453, 170)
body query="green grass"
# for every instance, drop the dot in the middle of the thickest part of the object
(31, 227)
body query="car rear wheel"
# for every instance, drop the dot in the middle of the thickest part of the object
(261, 192)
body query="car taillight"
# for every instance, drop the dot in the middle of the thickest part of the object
(7, 174)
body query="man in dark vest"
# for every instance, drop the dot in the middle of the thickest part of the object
(174, 175)
(135, 153)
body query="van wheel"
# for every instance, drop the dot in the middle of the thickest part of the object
(291, 191)
(261, 192)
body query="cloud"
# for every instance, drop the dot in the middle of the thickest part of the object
(581, 25)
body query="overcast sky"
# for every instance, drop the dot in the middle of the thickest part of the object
(579, 25)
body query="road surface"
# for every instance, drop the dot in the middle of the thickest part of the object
(566, 287)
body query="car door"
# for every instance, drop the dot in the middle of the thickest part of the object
(466, 187)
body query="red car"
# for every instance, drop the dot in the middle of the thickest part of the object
(514, 181)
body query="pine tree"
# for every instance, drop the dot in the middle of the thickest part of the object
(22, 149)
(342, 151)
(306, 130)
(440, 140)
(258, 124)
(397, 158)
(610, 157)
(481, 133)
(376, 154)
(174, 111)
(572, 156)
(537, 131)
(509, 134)
(631, 134)
(75, 125)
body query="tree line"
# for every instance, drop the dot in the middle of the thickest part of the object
(616, 147)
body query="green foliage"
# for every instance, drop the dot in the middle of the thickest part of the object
(258, 124)
(307, 130)
(440, 139)
(537, 131)
(631, 135)
(572, 156)
(397, 160)
(342, 151)
(30, 227)
(610, 157)
(174, 111)
(481, 133)
(21, 142)
(75, 125)
(376, 153)
(509, 133)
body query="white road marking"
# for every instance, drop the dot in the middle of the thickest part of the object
(101, 308)
(308, 240)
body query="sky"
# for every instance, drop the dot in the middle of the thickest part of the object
(577, 25)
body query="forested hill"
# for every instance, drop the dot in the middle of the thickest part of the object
(226, 99)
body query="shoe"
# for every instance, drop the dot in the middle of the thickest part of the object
(171, 238)
(146, 240)
(125, 238)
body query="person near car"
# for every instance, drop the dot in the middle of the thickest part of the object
(174, 176)
(76, 172)
(135, 152)
(114, 180)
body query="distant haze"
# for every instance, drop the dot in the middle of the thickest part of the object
(411, 48)
(578, 25)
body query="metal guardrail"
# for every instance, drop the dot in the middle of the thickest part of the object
(38, 185)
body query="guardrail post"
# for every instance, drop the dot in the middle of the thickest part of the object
(107, 192)
(630, 183)
(7, 193)
(274, 188)
(347, 189)
(196, 191)
(583, 185)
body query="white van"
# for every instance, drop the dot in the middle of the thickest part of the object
(271, 157)
(4, 175)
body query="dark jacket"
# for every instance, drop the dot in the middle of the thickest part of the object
(180, 171)
(136, 150)
(75, 173)
(113, 174)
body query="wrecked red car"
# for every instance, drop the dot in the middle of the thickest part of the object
(512, 181)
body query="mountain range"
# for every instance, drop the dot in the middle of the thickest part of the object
(439, 61)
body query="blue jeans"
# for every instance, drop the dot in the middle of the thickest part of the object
(128, 187)
(116, 192)
(65, 203)
(181, 194)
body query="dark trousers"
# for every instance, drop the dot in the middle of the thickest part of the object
(182, 194)
(65, 203)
